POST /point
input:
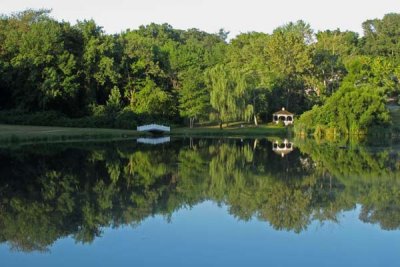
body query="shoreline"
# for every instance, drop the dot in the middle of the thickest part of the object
(18, 134)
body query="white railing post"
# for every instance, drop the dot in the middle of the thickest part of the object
(153, 127)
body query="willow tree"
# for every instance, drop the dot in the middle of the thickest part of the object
(228, 94)
(247, 53)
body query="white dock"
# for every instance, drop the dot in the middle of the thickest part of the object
(153, 128)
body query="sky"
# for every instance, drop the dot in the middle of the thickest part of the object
(211, 15)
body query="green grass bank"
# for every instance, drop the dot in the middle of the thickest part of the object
(36, 134)
(235, 130)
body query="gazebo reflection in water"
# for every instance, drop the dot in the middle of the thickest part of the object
(282, 147)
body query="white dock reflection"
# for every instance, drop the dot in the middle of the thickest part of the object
(155, 140)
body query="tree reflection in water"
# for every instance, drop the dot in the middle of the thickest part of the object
(54, 191)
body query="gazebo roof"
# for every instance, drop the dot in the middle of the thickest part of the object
(283, 112)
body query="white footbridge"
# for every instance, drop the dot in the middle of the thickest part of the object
(154, 128)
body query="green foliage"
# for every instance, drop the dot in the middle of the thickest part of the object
(151, 99)
(381, 36)
(159, 72)
(351, 110)
(281, 124)
(331, 48)
(290, 57)
(228, 94)
(114, 103)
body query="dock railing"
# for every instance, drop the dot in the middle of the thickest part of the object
(153, 127)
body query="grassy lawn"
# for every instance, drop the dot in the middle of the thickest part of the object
(233, 130)
(19, 133)
(36, 134)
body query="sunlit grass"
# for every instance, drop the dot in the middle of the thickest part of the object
(233, 129)
(38, 134)
(19, 133)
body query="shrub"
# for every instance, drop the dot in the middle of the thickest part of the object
(350, 110)
(281, 124)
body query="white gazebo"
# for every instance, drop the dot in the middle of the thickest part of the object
(283, 115)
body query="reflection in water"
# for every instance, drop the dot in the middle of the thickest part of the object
(282, 147)
(50, 192)
(154, 140)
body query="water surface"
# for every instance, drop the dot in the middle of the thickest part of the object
(201, 202)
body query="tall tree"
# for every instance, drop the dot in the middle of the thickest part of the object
(189, 60)
(331, 48)
(247, 54)
(381, 36)
(100, 72)
(194, 100)
(290, 58)
(45, 74)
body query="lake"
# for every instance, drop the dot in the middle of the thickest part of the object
(200, 202)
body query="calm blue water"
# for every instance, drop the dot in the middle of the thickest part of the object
(207, 235)
(212, 232)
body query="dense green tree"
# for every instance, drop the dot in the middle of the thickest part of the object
(351, 110)
(166, 74)
(194, 97)
(331, 48)
(290, 58)
(114, 103)
(247, 54)
(338, 43)
(44, 73)
(148, 71)
(189, 60)
(381, 36)
(97, 62)
(151, 99)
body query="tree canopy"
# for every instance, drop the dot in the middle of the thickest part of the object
(181, 76)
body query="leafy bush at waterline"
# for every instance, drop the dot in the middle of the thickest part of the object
(351, 110)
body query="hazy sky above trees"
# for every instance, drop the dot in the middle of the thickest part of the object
(210, 15)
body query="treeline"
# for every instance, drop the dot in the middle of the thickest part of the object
(54, 72)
